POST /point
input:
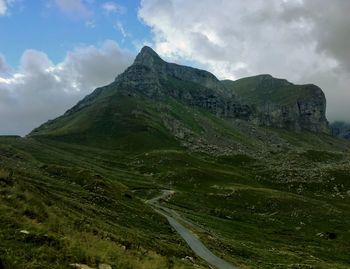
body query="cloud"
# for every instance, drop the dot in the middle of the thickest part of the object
(303, 41)
(90, 24)
(74, 8)
(40, 90)
(5, 69)
(111, 7)
(120, 27)
(3, 7)
(35, 62)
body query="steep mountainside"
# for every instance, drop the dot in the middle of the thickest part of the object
(150, 99)
(283, 104)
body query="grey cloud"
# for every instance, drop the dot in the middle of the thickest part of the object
(40, 90)
(303, 41)
(34, 62)
(96, 67)
(331, 29)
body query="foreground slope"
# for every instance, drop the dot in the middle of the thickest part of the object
(81, 204)
(60, 207)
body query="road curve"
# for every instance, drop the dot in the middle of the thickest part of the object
(194, 243)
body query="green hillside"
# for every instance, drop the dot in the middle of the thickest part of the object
(84, 205)
(261, 89)
(76, 190)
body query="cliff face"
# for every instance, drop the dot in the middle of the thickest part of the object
(263, 100)
(279, 103)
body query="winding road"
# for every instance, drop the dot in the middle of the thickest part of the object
(194, 243)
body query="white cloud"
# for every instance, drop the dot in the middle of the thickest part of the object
(112, 7)
(90, 24)
(73, 8)
(303, 41)
(120, 27)
(40, 90)
(3, 7)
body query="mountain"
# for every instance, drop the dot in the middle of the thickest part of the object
(341, 129)
(246, 167)
(148, 103)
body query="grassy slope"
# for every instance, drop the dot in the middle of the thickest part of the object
(77, 209)
(137, 124)
(120, 122)
(254, 220)
(258, 91)
(259, 212)
(270, 212)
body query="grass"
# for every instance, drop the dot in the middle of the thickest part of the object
(82, 204)
(262, 89)
(321, 156)
(120, 122)
(260, 222)
(75, 214)
(262, 227)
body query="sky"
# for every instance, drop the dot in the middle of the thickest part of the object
(54, 52)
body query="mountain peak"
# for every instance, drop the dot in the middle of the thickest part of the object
(146, 50)
(147, 56)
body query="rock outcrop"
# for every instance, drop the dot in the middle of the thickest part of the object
(279, 103)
